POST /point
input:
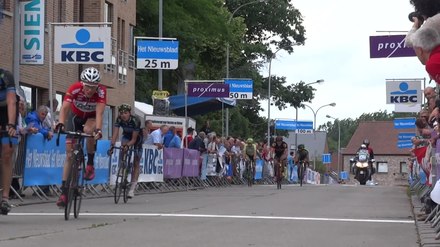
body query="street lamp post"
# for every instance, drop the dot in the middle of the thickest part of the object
(296, 109)
(316, 112)
(314, 126)
(227, 58)
(268, 96)
(339, 142)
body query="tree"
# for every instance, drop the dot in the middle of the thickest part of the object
(203, 30)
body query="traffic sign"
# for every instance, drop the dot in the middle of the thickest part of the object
(404, 123)
(157, 54)
(326, 158)
(404, 144)
(405, 136)
(240, 88)
(300, 127)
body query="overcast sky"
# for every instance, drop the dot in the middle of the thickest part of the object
(337, 50)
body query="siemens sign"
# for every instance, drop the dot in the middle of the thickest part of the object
(404, 92)
(85, 45)
(32, 32)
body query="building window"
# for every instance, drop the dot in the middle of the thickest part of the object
(382, 167)
(403, 168)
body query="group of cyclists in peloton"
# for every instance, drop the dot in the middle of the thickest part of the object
(82, 111)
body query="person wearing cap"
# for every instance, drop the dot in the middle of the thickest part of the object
(189, 137)
(131, 129)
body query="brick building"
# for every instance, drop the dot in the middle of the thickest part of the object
(391, 161)
(118, 76)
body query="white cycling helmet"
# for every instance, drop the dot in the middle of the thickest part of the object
(91, 76)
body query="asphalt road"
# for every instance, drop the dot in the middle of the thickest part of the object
(231, 216)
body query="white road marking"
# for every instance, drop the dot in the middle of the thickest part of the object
(222, 216)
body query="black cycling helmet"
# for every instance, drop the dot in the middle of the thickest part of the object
(366, 142)
(301, 147)
(124, 108)
(278, 138)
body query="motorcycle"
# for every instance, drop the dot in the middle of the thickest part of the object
(361, 168)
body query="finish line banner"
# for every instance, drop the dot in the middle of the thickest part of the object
(389, 46)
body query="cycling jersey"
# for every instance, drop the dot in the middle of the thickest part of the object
(82, 106)
(279, 149)
(7, 85)
(128, 127)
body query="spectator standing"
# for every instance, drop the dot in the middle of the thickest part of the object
(189, 137)
(175, 142)
(49, 121)
(156, 137)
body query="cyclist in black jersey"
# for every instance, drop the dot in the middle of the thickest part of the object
(280, 149)
(8, 123)
(131, 128)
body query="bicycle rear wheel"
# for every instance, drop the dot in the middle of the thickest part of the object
(301, 174)
(280, 176)
(119, 183)
(78, 197)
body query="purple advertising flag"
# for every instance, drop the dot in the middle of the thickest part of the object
(219, 90)
(389, 46)
(173, 160)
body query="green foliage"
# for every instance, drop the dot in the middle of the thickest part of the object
(204, 28)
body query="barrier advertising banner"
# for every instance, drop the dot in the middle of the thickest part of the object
(45, 161)
(190, 163)
(151, 165)
(173, 160)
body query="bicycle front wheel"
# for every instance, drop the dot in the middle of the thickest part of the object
(119, 183)
(78, 198)
(71, 183)
(301, 174)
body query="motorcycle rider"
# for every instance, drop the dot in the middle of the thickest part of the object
(371, 158)
(361, 155)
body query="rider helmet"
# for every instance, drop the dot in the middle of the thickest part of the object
(250, 141)
(363, 146)
(366, 142)
(124, 108)
(279, 138)
(91, 76)
(301, 147)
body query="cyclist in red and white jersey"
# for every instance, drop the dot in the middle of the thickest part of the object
(82, 110)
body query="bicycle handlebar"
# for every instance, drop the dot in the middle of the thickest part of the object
(72, 133)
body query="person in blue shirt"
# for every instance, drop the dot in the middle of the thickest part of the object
(175, 141)
(34, 120)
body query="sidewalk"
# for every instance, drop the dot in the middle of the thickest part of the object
(425, 231)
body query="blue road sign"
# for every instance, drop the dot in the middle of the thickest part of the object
(326, 158)
(405, 136)
(404, 123)
(343, 175)
(157, 54)
(404, 144)
(240, 88)
(285, 124)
